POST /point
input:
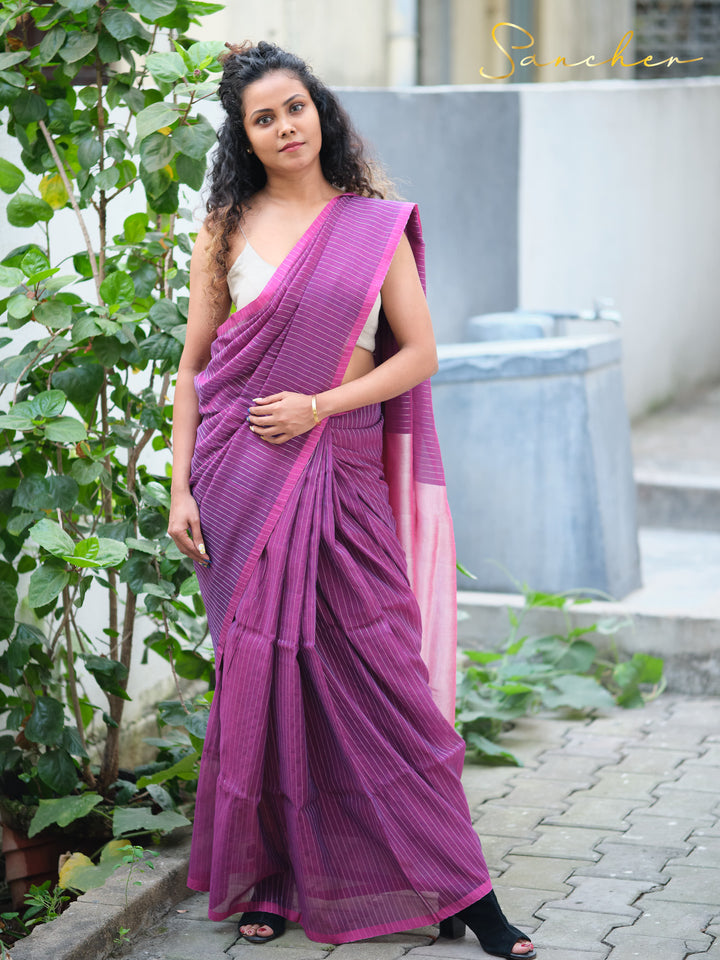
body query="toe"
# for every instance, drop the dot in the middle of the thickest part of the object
(522, 946)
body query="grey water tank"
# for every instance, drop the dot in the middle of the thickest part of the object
(535, 439)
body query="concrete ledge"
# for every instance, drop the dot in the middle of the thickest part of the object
(682, 501)
(88, 928)
(689, 645)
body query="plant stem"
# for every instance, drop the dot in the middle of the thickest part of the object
(72, 685)
(78, 213)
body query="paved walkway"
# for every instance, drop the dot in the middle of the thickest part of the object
(606, 844)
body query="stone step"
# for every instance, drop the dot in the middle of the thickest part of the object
(680, 500)
(674, 615)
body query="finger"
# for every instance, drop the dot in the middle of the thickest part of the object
(271, 399)
(199, 553)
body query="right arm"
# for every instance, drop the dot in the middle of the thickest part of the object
(204, 316)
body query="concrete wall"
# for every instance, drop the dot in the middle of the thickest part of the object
(550, 195)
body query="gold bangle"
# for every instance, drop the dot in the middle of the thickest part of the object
(313, 401)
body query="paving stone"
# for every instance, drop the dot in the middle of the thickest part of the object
(623, 935)
(494, 820)
(629, 863)
(684, 803)
(672, 737)
(574, 929)
(618, 784)
(176, 939)
(603, 895)
(706, 853)
(690, 885)
(671, 920)
(602, 813)
(545, 729)
(711, 757)
(485, 783)
(706, 830)
(696, 775)
(642, 759)
(587, 745)
(656, 831)
(541, 793)
(193, 908)
(540, 873)
(712, 954)
(520, 904)
(625, 723)
(700, 712)
(573, 843)
(642, 948)
(554, 765)
(367, 950)
(495, 850)
(249, 951)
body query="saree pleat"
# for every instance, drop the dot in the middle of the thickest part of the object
(330, 787)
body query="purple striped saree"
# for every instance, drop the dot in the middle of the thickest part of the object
(330, 785)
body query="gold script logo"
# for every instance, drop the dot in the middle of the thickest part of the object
(561, 62)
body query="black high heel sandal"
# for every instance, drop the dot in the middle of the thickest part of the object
(489, 924)
(262, 918)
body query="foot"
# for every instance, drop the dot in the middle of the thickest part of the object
(259, 926)
(256, 930)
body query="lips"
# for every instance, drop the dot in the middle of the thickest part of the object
(290, 146)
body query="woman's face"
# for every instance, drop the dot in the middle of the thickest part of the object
(282, 122)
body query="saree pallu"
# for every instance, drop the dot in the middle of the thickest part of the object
(329, 786)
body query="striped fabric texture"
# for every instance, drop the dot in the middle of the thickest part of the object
(330, 785)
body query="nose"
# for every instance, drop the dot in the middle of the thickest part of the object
(286, 128)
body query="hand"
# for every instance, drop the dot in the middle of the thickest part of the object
(281, 417)
(184, 527)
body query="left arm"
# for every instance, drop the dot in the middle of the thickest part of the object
(285, 415)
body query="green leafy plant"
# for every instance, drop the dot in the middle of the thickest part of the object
(44, 904)
(560, 671)
(83, 511)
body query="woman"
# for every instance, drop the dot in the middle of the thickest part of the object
(330, 790)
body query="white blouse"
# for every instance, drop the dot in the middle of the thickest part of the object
(249, 275)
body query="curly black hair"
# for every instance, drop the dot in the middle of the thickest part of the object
(237, 175)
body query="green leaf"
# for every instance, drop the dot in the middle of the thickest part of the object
(578, 693)
(117, 288)
(46, 493)
(194, 140)
(190, 586)
(77, 6)
(54, 314)
(190, 171)
(20, 307)
(77, 46)
(127, 820)
(185, 769)
(10, 176)
(97, 552)
(110, 674)
(106, 179)
(80, 384)
(28, 108)
(490, 749)
(156, 151)
(80, 873)
(165, 314)
(57, 769)
(34, 261)
(154, 117)
(10, 59)
(166, 67)
(62, 811)
(46, 721)
(122, 26)
(65, 430)
(135, 227)
(8, 603)
(45, 584)
(51, 43)
(205, 52)
(153, 9)
(24, 210)
(89, 150)
(10, 276)
(49, 403)
(52, 536)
